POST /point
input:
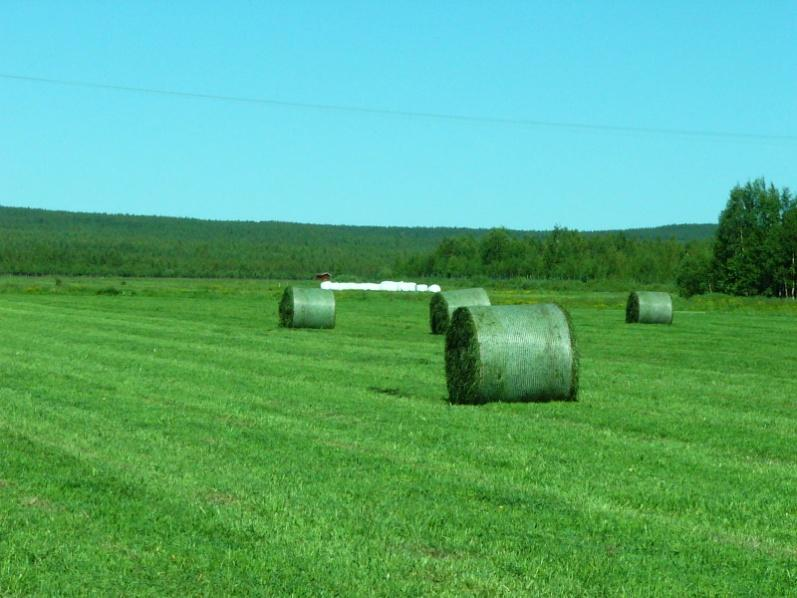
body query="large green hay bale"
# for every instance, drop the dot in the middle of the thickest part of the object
(302, 307)
(511, 353)
(443, 304)
(648, 307)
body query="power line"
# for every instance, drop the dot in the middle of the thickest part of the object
(407, 113)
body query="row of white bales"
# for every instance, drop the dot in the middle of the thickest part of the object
(385, 285)
(492, 352)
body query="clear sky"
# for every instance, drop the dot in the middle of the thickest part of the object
(706, 66)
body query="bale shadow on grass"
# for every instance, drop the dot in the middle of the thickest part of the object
(389, 391)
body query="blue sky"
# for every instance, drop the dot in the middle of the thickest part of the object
(705, 66)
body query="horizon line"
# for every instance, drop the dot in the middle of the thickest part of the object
(325, 224)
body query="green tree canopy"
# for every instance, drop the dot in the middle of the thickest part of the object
(750, 252)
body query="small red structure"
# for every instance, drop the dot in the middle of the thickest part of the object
(323, 276)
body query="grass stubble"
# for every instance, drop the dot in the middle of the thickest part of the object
(181, 443)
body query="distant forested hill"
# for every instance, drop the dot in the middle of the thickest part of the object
(679, 232)
(36, 241)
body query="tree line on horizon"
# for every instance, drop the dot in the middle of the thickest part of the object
(752, 253)
(42, 242)
(564, 254)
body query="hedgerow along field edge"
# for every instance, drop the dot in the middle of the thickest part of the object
(167, 437)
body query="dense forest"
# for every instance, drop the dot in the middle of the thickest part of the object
(561, 255)
(754, 252)
(47, 242)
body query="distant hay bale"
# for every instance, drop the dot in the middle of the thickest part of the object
(511, 353)
(443, 304)
(302, 307)
(648, 307)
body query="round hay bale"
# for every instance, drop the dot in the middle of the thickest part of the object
(443, 304)
(511, 353)
(303, 307)
(648, 307)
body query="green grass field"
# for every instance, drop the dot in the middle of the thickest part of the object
(166, 438)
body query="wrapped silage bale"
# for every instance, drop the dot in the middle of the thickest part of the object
(511, 353)
(421, 288)
(442, 306)
(434, 288)
(302, 307)
(648, 307)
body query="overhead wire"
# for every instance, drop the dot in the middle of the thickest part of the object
(466, 118)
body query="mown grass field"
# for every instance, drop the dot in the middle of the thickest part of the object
(171, 440)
